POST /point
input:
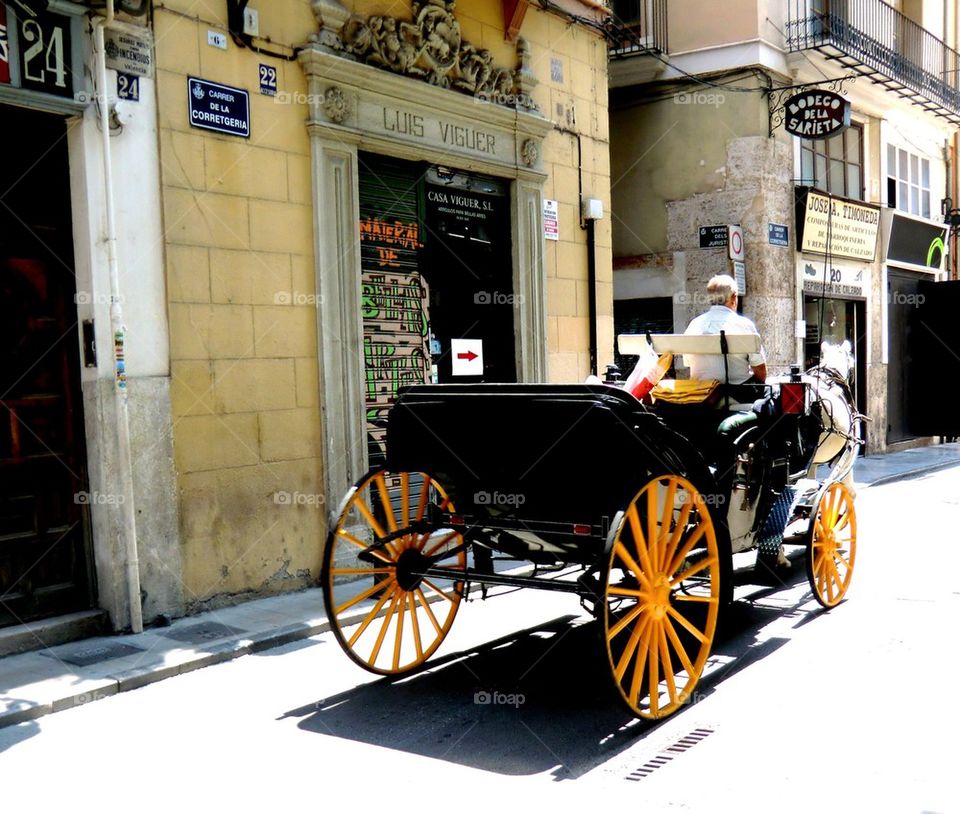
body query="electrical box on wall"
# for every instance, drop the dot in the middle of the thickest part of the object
(251, 22)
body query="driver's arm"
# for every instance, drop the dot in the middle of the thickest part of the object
(759, 372)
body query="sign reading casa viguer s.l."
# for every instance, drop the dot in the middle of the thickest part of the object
(839, 228)
(486, 142)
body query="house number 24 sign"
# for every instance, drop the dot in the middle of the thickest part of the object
(44, 50)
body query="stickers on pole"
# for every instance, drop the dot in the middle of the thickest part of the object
(466, 357)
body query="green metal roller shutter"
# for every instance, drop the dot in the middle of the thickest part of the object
(395, 296)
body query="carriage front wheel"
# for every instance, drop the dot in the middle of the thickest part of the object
(387, 615)
(661, 597)
(832, 546)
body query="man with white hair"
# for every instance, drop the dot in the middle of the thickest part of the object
(722, 316)
(735, 370)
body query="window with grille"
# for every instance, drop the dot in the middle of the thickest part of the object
(834, 165)
(908, 182)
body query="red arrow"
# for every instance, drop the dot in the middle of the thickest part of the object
(469, 356)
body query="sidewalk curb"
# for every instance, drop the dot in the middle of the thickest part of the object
(912, 473)
(96, 689)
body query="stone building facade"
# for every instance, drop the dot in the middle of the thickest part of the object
(269, 223)
(314, 267)
(697, 117)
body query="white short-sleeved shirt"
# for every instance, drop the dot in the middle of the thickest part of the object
(708, 366)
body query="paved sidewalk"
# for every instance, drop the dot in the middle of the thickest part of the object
(55, 678)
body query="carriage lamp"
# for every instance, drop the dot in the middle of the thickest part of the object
(792, 393)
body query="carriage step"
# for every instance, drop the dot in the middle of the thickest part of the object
(771, 537)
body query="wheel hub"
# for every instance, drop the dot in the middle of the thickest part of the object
(660, 597)
(409, 563)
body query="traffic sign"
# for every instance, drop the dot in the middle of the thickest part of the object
(735, 242)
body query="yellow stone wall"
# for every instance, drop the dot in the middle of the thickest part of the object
(240, 279)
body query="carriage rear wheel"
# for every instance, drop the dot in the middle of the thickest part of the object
(662, 596)
(832, 547)
(387, 616)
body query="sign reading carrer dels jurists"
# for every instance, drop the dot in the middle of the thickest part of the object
(835, 226)
(816, 114)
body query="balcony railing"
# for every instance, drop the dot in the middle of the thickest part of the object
(638, 27)
(879, 42)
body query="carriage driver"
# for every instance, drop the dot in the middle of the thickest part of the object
(740, 369)
(723, 316)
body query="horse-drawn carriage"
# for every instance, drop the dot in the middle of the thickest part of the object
(633, 508)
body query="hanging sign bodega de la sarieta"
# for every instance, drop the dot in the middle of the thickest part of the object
(816, 114)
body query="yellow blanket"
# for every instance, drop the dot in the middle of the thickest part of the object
(685, 391)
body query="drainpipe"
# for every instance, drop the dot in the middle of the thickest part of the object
(592, 292)
(591, 210)
(128, 524)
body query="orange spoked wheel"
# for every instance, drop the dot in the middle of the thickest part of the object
(832, 547)
(662, 597)
(387, 615)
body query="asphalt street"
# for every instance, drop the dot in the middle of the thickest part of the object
(801, 710)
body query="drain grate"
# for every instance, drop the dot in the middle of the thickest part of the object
(203, 632)
(668, 754)
(87, 653)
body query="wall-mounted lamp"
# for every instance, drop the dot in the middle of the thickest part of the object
(591, 209)
(951, 216)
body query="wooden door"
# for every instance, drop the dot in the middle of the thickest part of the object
(44, 557)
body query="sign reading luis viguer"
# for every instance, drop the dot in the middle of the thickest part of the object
(487, 142)
(837, 227)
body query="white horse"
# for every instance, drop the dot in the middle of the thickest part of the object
(832, 399)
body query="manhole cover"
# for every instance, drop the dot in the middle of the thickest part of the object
(671, 752)
(203, 632)
(88, 653)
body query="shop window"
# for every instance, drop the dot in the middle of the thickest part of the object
(834, 165)
(908, 182)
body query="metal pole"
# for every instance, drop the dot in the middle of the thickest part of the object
(128, 526)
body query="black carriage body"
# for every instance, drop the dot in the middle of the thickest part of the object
(538, 459)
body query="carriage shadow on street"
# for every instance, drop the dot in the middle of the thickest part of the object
(538, 700)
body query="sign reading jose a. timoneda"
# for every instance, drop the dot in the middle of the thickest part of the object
(836, 227)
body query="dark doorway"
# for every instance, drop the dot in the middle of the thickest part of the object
(935, 348)
(436, 263)
(834, 320)
(902, 299)
(468, 268)
(44, 544)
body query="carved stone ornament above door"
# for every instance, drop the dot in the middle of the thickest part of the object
(430, 48)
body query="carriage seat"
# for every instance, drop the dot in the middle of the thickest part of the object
(740, 397)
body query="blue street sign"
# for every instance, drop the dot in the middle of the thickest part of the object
(268, 80)
(778, 234)
(128, 86)
(218, 107)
